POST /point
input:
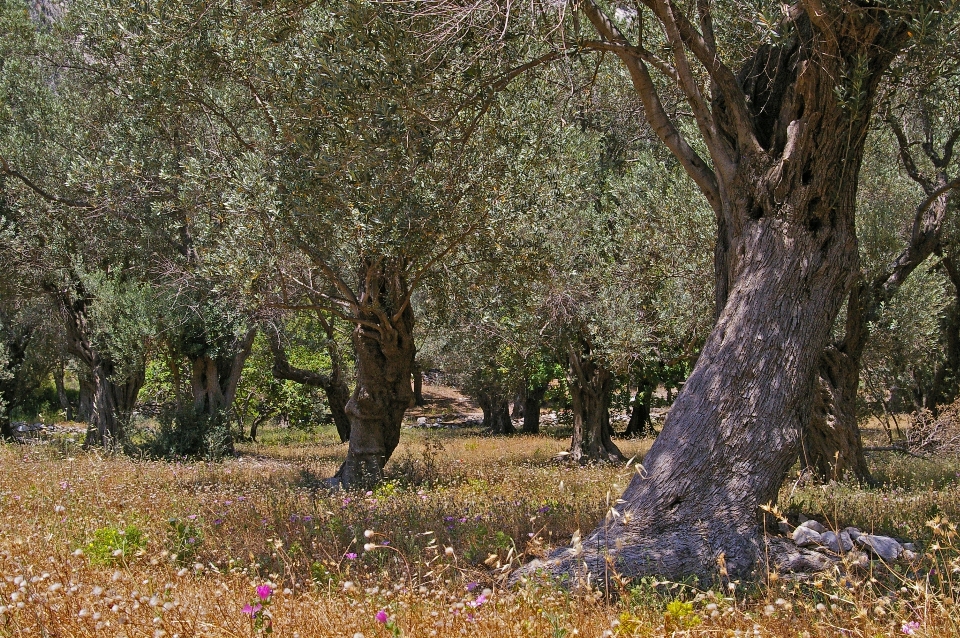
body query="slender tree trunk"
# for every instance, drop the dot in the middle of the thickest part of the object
(418, 385)
(640, 423)
(58, 375)
(85, 398)
(590, 387)
(533, 401)
(333, 385)
(385, 350)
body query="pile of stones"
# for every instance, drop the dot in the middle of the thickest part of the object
(812, 534)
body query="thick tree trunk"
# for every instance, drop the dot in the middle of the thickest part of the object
(788, 154)
(590, 387)
(831, 443)
(214, 380)
(533, 400)
(385, 350)
(496, 412)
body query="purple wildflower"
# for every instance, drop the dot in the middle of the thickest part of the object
(910, 627)
(351, 556)
(252, 610)
(381, 616)
(264, 591)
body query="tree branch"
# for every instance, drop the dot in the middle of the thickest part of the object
(6, 169)
(656, 115)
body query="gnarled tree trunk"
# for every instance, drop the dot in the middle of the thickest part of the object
(384, 348)
(214, 379)
(787, 153)
(590, 387)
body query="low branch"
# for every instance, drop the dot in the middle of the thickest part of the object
(283, 370)
(6, 169)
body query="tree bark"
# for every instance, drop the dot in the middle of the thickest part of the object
(787, 153)
(385, 350)
(519, 402)
(590, 386)
(85, 398)
(532, 402)
(214, 380)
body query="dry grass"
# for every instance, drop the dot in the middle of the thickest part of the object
(261, 518)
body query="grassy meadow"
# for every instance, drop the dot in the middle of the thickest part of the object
(94, 545)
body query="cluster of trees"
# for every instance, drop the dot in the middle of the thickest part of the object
(754, 200)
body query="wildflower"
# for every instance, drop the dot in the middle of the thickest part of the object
(351, 556)
(382, 616)
(59, 509)
(368, 533)
(251, 610)
(479, 601)
(448, 551)
(264, 591)
(471, 586)
(910, 628)
(369, 547)
(307, 519)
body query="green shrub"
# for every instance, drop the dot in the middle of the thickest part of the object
(191, 434)
(112, 545)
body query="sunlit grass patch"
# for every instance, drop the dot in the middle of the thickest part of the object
(425, 554)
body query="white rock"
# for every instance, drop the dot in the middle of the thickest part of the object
(883, 546)
(910, 546)
(804, 536)
(814, 525)
(422, 421)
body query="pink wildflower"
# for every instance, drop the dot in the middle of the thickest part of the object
(381, 616)
(251, 610)
(910, 627)
(264, 591)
